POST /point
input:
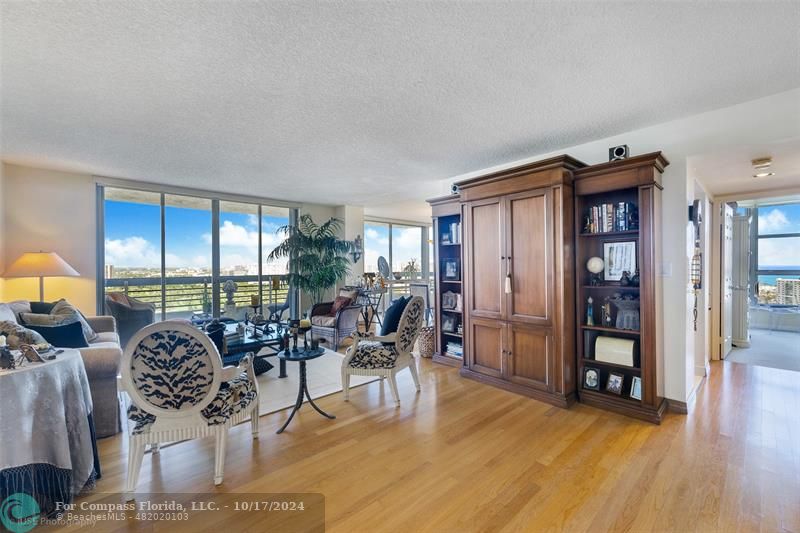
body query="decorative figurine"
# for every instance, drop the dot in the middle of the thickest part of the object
(229, 288)
(589, 312)
(606, 313)
(635, 279)
(595, 266)
(625, 280)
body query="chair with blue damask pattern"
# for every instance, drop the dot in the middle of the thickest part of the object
(385, 356)
(180, 390)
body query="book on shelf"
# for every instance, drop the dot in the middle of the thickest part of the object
(454, 234)
(610, 217)
(455, 348)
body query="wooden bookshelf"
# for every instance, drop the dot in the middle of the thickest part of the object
(633, 182)
(446, 247)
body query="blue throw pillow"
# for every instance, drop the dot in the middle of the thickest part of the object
(391, 318)
(63, 336)
(42, 308)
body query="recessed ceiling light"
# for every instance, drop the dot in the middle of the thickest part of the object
(763, 174)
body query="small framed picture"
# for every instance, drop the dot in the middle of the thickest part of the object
(618, 257)
(452, 270)
(591, 378)
(614, 383)
(445, 238)
(449, 323)
(449, 300)
(636, 388)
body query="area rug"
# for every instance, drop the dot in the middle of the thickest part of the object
(275, 394)
(324, 378)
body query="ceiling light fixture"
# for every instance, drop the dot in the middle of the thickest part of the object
(761, 167)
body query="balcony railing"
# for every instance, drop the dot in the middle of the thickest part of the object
(184, 296)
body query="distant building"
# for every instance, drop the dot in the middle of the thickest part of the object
(788, 291)
(109, 271)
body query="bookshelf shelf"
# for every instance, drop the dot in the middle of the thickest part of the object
(615, 331)
(611, 234)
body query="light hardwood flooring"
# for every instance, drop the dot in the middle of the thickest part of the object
(462, 456)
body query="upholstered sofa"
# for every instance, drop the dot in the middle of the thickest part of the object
(102, 361)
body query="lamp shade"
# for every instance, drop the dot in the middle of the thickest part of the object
(39, 264)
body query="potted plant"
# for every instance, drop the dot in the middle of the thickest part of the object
(318, 258)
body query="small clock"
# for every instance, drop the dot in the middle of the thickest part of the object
(591, 378)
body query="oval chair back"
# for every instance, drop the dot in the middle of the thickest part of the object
(171, 369)
(410, 324)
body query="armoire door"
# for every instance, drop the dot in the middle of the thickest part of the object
(485, 347)
(484, 249)
(529, 256)
(528, 355)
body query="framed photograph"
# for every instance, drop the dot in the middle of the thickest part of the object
(449, 300)
(446, 238)
(636, 388)
(451, 270)
(614, 383)
(618, 257)
(591, 378)
(449, 323)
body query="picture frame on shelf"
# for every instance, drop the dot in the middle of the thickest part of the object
(448, 323)
(451, 301)
(451, 270)
(446, 238)
(636, 388)
(615, 383)
(618, 257)
(591, 378)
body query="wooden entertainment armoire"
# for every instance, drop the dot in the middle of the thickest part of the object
(522, 251)
(518, 281)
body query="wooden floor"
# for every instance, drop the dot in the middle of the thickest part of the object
(462, 456)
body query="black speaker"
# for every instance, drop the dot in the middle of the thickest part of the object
(617, 153)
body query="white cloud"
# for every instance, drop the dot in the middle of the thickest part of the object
(780, 252)
(132, 252)
(231, 234)
(773, 221)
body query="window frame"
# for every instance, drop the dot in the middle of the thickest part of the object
(216, 198)
(755, 239)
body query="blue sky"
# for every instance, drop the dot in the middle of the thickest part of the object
(133, 236)
(783, 252)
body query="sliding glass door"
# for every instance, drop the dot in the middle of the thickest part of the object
(178, 251)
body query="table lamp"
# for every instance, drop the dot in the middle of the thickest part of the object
(39, 265)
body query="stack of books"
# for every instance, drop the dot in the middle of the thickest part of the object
(455, 348)
(604, 218)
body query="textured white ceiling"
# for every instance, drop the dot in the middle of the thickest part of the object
(364, 102)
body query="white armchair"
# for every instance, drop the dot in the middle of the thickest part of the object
(180, 390)
(385, 356)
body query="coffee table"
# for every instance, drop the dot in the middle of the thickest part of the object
(272, 338)
(302, 356)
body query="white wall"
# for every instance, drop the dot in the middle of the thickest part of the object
(758, 121)
(353, 219)
(3, 261)
(53, 212)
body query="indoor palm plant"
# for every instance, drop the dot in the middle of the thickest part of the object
(318, 258)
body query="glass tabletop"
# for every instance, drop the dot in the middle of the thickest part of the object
(301, 354)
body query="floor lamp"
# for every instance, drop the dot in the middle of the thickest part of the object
(40, 265)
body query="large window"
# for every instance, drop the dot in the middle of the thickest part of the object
(406, 249)
(777, 253)
(165, 249)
